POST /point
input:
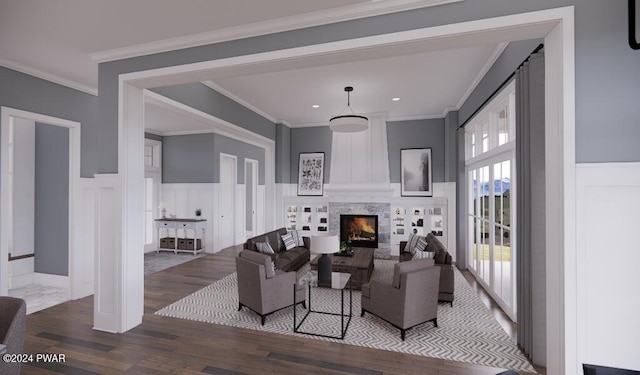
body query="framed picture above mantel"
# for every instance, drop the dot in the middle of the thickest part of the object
(311, 174)
(416, 172)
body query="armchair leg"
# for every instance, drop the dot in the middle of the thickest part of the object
(362, 312)
(239, 306)
(402, 333)
(435, 322)
(262, 319)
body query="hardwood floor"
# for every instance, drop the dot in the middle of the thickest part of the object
(167, 345)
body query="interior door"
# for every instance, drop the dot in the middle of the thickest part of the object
(151, 202)
(251, 193)
(226, 201)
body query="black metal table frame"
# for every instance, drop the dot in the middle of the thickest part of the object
(343, 328)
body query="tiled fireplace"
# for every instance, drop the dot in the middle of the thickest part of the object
(382, 210)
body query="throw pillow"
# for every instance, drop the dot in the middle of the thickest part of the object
(264, 248)
(416, 243)
(271, 270)
(297, 237)
(411, 243)
(289, 242)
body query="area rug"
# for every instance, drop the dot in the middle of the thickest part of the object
(467, 332)
(155, 262)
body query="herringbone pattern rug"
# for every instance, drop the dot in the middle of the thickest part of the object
(466, 332)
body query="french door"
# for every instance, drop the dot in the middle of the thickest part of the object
(490, 166)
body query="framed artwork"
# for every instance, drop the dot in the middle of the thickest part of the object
(415, 172)
(311, 174)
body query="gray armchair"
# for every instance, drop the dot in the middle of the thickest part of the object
(13, 317)
(410, 300)
(263, 289)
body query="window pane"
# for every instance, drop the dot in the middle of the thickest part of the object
(506, 193)
(148, 233)
(507, 264)
(484, 186)
(485, 137)
(503, 126)
(148, 194)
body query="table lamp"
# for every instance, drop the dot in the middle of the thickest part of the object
(324, 244)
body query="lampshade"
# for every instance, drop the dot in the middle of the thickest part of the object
(348, 123)
(325, 243)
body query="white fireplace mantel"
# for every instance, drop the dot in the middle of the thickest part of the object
(359, 192)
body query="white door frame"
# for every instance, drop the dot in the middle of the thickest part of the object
(556, 26)
(75, 265)
(234, 184)
(254, 199)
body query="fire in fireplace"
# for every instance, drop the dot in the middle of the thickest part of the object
(360, 230)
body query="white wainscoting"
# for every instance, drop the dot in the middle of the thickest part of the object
(107, 302)
(82, 269)
(240, 216)
(608, 256)
(183, 199)
(261, 207)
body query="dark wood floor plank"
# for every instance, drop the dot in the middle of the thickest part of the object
(167, 345)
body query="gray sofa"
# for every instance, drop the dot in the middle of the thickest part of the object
(286, 260)
(411, 299)
(13, 317)
(443, 260)
(263, 289)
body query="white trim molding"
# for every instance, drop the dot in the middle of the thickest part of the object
(22, 68)
(6, 190)
(608, 254)
(300, 21)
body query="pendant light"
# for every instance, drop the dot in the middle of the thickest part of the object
(349, 123)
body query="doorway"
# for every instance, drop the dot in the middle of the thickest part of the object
(226, 200)
(39, 209)
(554, 25)
(251, 196)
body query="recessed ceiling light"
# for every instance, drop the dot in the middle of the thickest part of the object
(396, 99)
(315, 106)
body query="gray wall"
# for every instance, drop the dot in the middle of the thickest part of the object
(196, 158)
(52, 200)
(606, 68)
(283, 154)
(400, 134)
(28, 93)
(188, 159)
(203, 98)
(241, 150)
(450, 146)
(416, 134)
(312, 139)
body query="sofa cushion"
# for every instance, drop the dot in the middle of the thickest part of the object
(289, 242)
(264, 248)
(435, 246)
(412, 265)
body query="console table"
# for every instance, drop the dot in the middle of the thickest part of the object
(190, 244)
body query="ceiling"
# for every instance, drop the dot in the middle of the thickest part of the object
(74, 35)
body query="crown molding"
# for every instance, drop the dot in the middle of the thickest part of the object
(212, 85)
(485, 68)
(340, 14)
(48, 76)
